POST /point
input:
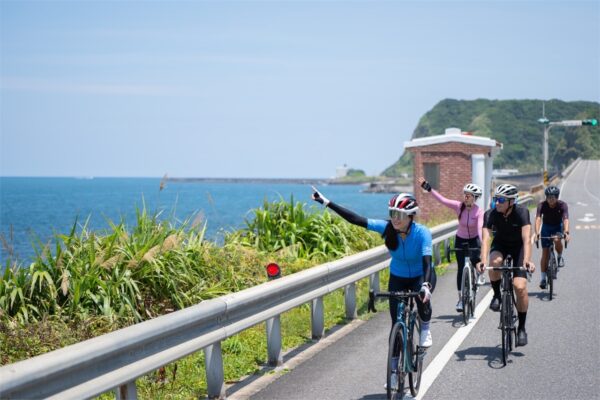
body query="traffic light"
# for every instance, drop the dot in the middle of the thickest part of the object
(592, 122)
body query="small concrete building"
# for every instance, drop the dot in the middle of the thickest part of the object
(449, 162)
(341, 172)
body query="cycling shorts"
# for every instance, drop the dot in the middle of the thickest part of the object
(549, 230)
(516, 252)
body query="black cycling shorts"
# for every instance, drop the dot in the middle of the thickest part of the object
(516, 252)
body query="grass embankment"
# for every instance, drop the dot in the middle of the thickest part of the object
(91, 284)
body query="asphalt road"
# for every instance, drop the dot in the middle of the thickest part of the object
(560, 362)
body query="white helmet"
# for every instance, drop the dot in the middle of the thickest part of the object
(405, 203)
(506, 190)
(473, 189)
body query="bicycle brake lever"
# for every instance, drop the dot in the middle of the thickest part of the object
(371, 305)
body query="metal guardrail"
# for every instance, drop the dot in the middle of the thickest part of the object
(117, 359)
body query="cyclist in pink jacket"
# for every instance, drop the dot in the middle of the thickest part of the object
(470, 222)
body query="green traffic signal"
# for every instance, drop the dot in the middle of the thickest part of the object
(592, 122)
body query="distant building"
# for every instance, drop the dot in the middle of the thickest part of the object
(504, 172)
(448, 162)
(341, 172)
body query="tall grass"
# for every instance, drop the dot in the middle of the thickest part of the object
(289, 227)
(157, 266)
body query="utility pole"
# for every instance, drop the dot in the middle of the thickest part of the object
(548, 125)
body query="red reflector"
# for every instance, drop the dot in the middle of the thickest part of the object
(273, 271)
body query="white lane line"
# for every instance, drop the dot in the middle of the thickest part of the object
(564, 181)
(442, 358)
(585, 186)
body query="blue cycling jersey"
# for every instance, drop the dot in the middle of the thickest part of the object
(407, 259)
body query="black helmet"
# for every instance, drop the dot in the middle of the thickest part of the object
(552, 191)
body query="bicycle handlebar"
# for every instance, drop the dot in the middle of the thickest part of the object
(521, 268)
(558, 235)
(400, 295)
(505, 268)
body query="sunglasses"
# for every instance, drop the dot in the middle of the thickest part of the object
(398, 214)
(551, 197)
(500, 200)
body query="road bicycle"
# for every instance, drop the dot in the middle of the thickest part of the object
(468, 288)
(405, 356)
(552, 269)
(508, 305)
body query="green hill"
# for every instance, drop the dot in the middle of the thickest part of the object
(515, 124)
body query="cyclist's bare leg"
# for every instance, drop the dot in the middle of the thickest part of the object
(496, 260)
(520, 286)
(558, 246)
(545, 258)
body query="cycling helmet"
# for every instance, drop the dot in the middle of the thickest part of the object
(552, 191)
(506, 190)
(473, 189)
(405, 203)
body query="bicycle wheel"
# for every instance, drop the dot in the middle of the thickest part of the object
(551, 274)
(414, 378)
(506, 316)
(395, 350)
(466, 288)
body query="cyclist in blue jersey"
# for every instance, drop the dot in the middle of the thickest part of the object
(409, 244)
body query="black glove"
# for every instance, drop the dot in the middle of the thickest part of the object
(318, 197)
(425, 185)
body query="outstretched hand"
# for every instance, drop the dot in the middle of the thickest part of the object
(319, 198)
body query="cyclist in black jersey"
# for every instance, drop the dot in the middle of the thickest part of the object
(511, 229)
(551, 217)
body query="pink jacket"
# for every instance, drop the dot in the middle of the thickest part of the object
(471, 221)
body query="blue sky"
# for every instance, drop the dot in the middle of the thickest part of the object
(266, 89)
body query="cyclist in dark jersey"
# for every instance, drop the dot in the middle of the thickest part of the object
(409, 244)
(511, 229)
(551, 217)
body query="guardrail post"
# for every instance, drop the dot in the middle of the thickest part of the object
(213, 360)
(317, 318)
(274, 341)
(126, 392)
(374, 282)
(350, 300)
(436, 254)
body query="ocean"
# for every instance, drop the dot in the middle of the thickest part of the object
(33, 209)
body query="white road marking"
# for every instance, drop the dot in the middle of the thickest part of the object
(587, 169)
(442, 358)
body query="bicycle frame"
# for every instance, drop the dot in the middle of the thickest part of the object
(412, 359)
(469, 275)
(507, 316)
(407, 318)
(552, 267)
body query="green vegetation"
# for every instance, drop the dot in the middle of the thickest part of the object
(356, 172)
(514, 123)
